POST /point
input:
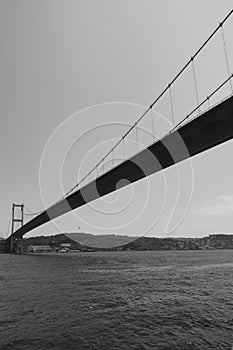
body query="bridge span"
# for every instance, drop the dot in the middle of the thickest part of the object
(187, 139)
(212, 128)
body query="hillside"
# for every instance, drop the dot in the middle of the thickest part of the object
(100, 241)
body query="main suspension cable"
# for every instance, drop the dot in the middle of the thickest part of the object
(204, 101)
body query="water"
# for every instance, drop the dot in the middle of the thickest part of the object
(117, 300)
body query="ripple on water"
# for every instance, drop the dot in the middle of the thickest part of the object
(120, 300)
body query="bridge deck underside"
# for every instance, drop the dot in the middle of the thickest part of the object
(210, 129)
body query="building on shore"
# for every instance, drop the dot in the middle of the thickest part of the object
(39, 249)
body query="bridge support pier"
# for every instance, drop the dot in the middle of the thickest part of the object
(8, 249)
(14, 246)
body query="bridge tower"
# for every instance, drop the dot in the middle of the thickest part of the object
(15, 244)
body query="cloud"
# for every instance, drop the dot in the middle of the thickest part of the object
(221, 205)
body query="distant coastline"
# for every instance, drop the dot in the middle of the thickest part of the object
(88, 242)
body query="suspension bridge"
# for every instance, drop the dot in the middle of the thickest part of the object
(194, 133)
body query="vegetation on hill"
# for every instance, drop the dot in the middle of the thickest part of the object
(214, 241)
(53, 241)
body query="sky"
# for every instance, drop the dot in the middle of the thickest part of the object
(75, 75)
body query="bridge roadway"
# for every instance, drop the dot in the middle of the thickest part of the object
(210, 129)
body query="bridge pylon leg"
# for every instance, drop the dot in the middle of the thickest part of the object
(14, 245)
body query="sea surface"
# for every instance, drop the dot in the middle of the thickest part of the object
(117, 300)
